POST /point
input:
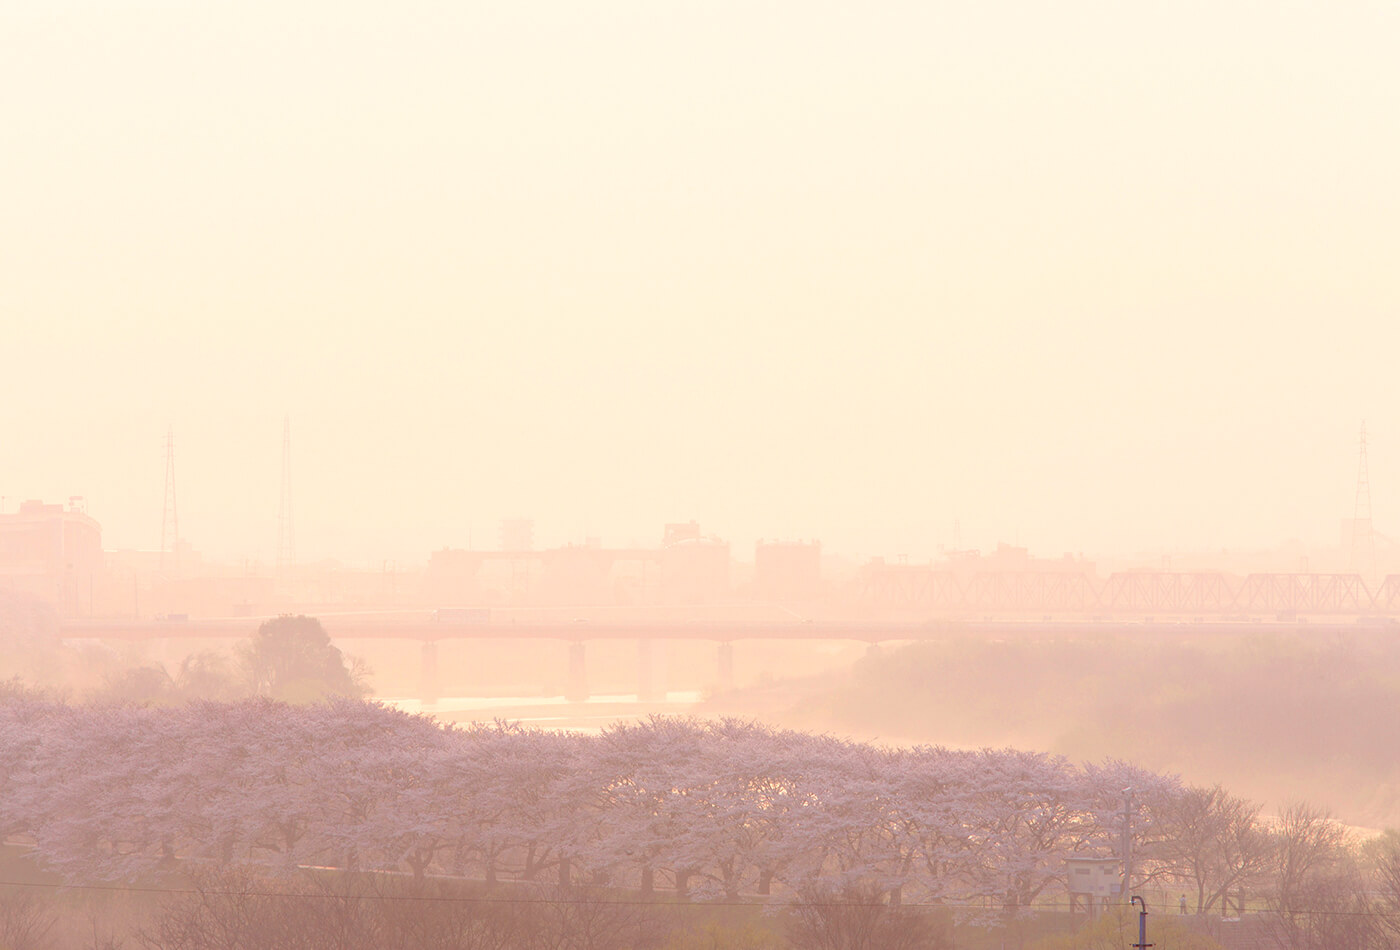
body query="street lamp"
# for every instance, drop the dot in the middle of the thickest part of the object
(1142, 943)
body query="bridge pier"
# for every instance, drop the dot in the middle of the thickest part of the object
(872, 649)
(576, 687)
(651, 671)
(428, 673)
(726, 664)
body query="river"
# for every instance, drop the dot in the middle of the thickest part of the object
(551, 712)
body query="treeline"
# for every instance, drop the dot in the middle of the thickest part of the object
(290, 658)
(725, 809)
(119, 792)
(1273, 718)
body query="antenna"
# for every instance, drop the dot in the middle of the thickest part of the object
(1363, 538)
(170, 516)
(286, 537)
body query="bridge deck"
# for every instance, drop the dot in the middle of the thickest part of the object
(857, 630)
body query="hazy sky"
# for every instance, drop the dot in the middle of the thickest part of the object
(1087, 275)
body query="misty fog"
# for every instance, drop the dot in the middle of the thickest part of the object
(725, 476)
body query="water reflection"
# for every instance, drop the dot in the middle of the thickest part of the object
(552, 712)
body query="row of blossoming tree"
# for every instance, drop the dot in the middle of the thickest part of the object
(723, 808)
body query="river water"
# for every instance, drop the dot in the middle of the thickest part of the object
(551, 712)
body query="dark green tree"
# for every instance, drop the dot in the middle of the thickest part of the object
(210, 675)
(291, 658)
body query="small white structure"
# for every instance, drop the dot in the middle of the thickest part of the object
(1099, 877)
(1092, 881)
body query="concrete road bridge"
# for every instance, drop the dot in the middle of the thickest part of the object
(429, 628)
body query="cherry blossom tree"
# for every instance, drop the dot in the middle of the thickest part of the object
(1216, 843)
(722, 808)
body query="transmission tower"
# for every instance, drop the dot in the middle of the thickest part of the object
(170, 517)
(1363, 538)
(286, 537)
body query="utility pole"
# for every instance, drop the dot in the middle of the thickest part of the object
(170, 516)
(1363, 537)
(286, 536)
(1142, 943)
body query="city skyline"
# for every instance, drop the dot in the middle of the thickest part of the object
(948, 539)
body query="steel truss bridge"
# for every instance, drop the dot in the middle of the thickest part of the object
(1129, 593)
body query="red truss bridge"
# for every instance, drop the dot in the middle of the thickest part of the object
(1132, 593)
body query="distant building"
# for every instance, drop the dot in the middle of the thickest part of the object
(680, 531)
(1008, 558)
(787, 570)
(517, 534)
(694, 567)
(451, 579)
(52, 552)
(578, 575)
